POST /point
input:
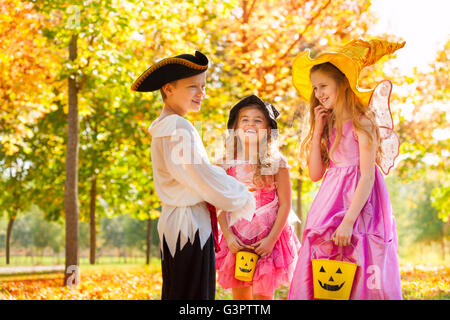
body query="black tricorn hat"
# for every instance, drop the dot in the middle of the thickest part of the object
(269, 110)
(170, 69)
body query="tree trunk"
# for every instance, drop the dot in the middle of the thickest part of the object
(71, 277)
(92, 221)
(149, 239)
(443, 242)
(8, 237)
(300, 226)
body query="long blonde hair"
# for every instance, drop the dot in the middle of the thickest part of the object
(345, 99)
(265, 158)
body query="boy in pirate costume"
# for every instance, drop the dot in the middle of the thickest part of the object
(185, 180)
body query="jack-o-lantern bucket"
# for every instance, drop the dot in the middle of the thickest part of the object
(245, 265)
(333, 279)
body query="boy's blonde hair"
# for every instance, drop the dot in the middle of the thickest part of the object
(163, 94)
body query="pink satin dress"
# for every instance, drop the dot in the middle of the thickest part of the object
(374, 234)
(270, 271)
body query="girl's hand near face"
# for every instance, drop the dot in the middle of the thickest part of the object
(316, 165)
(320, 117)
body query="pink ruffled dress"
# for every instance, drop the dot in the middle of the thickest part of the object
(374, 234)
(270, 271)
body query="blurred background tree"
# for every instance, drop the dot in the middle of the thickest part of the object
(251, 45)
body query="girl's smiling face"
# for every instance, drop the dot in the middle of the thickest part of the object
(325, 89)
(252, 124)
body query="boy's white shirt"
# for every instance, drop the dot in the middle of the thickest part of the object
(184, 179)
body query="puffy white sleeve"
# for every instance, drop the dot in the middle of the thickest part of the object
(188, 163)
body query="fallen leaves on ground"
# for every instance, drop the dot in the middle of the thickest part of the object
(144, 283)
(420, 282)
(112, 283)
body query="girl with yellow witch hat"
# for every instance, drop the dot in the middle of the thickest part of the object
(351, 131)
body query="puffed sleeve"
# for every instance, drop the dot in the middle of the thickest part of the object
(278, 161)
(283, 162)
(188, 163)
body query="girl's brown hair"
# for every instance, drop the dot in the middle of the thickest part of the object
(345, 99)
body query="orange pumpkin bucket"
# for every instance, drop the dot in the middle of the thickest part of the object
(245, 265)
(333, 279)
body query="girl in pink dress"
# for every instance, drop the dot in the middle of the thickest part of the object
(347, 138)
(252, 159)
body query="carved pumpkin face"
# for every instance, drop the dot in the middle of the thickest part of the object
(333, 279)
(245, 265)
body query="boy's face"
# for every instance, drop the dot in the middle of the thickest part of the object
(186, 94)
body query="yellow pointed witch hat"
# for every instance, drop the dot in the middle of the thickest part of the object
(350, 59)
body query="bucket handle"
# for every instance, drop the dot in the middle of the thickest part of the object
(357, 254)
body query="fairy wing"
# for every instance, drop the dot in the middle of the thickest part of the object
(390, 142)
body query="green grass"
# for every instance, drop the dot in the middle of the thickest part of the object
(50, 261)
